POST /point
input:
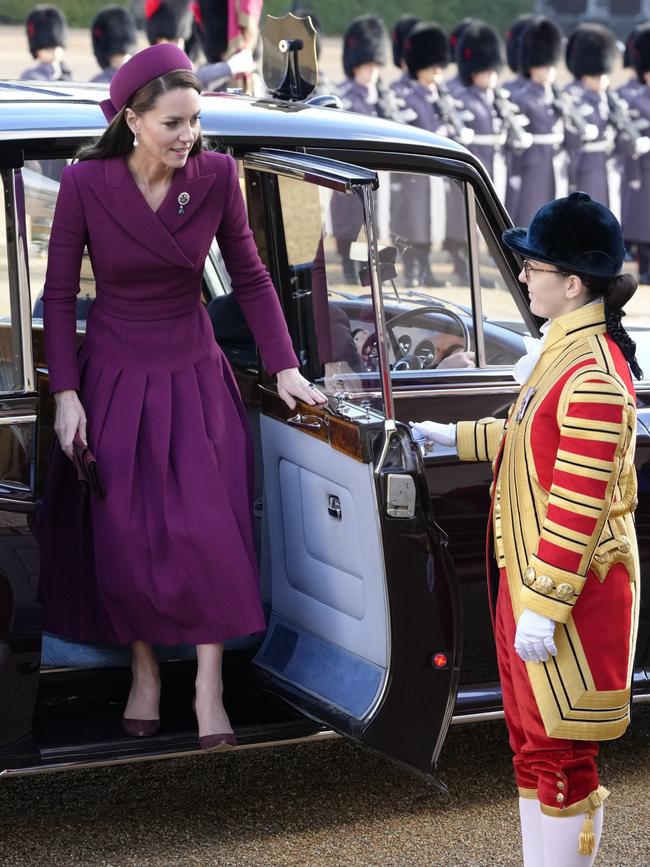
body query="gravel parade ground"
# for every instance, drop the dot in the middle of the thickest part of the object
(324, 804)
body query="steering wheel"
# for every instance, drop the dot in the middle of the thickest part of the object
(404, 361)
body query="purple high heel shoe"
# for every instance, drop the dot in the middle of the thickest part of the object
(212, 743)
(140, 728)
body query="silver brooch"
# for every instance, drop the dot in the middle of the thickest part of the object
(183, 199)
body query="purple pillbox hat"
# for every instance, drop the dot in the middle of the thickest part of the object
(142, 68)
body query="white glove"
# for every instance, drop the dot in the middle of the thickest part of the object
(466, 136)
(534, 638)
(241, 63)
(591, 132)
(641, 146)
(432, 432)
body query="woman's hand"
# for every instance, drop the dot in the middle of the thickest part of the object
(70, 418)
(291, 384)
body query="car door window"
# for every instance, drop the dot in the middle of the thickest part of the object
(438, 321)
(327, 251)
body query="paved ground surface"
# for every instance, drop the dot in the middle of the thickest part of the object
(314, 805)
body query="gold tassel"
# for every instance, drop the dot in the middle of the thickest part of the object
(587, 840)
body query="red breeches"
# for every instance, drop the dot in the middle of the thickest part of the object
(560, 771)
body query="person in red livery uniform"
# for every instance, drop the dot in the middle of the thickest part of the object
(562, 526)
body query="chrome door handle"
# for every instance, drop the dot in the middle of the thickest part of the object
(311, 422)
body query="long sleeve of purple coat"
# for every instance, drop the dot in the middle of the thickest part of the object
(67, 241)
(252, 284)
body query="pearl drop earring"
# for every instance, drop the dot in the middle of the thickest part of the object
(135, 140)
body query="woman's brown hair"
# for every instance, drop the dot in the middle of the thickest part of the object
(117, 139)
(616, 292)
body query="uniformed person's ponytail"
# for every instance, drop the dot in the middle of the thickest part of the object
(616, 292)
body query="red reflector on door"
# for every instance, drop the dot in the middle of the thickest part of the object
(439, 660)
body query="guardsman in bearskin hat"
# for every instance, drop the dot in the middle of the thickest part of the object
(175, 21)
(365, 51)
(590, 56)
(564, 592)
(115, 37)
(480, 60)
(398, 34)
(635, 199)
(47, 31)
(455, 84)
(513, 52)
(426, 54)
(540, 173)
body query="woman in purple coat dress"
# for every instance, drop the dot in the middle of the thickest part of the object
(167, 556)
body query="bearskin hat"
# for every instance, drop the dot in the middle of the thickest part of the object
(456, 34)
(426, 45)
(398, 34)
(480, 48)
(113, 32)
(540, 44)
(591, 50)
(46, 28)
(629, 43)
(640, 51)
(168, 19)
(513, 40)
(364, 41)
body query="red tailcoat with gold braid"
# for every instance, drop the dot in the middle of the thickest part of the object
(562, 519)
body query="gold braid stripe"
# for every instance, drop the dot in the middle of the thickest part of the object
(585, 460)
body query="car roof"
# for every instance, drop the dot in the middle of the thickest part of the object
(31, 110)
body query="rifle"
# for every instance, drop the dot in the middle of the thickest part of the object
(621, 118)
(513, 120)
(448, 109)
(570, 114)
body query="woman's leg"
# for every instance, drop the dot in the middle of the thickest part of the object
(144, 697)
(210, 711)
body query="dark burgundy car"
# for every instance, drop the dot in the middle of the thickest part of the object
(372, 551)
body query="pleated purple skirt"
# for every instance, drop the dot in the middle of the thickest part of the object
(168, 556)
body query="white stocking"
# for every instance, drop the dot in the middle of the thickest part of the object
(561, 835)
(531, 832)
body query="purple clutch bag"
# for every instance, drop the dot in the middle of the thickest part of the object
(86, 467)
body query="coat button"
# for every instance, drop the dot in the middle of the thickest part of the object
(529, 576)
(559, 798)
(497, 510)
(543, 584)
(564, 592)
(560, 785)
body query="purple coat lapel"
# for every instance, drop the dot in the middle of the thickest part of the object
(125, 203)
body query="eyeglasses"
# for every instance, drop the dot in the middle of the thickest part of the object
(528, 270)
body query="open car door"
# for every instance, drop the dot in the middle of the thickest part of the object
(364, 629)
